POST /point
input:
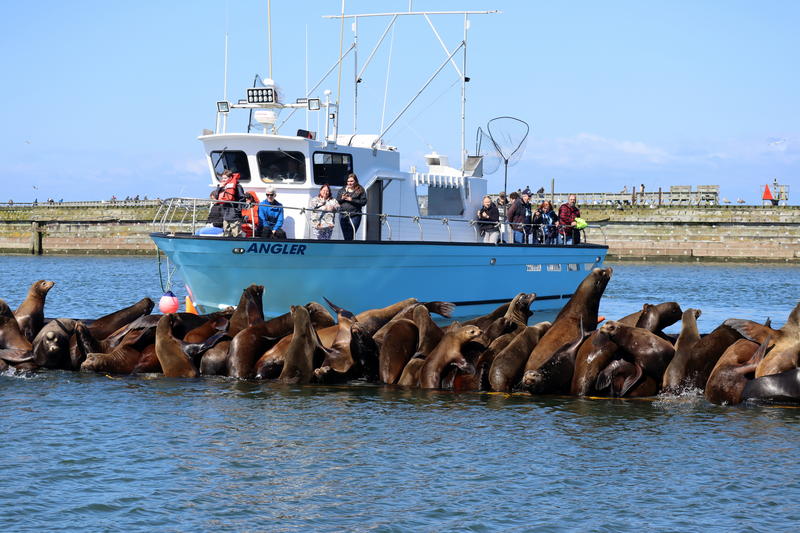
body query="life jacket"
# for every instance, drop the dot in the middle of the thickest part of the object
(250, 214)
(228, 192)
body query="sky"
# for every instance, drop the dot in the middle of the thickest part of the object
(108, 98)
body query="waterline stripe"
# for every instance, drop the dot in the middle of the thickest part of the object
(506, 300)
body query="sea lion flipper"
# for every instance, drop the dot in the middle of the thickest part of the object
(16, 356)
(752, 331)
(631, 380)
(339, 310)
(444, 309)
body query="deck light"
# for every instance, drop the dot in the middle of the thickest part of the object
(261, 96)
(313, 104)
(223, 107)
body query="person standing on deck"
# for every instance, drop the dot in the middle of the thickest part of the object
(324, 215)
(567, 213)
(516, 217)
(230, 193)
(352, 198)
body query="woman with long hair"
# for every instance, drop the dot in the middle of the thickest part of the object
(323, 215)
(352, 198)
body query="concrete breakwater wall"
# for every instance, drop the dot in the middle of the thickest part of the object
(714, 233)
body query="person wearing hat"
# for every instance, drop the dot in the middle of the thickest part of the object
(230, 193)
(567, 225)
(270, 216)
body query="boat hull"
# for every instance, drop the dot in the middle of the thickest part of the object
(359, 275)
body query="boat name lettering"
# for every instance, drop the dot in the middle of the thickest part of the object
(277, 248)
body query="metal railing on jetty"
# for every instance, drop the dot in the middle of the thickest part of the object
(677, 195)
(188, 215)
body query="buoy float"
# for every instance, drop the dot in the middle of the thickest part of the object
(190, 306)
(168, 303)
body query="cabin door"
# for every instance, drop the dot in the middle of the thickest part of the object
(374, 208)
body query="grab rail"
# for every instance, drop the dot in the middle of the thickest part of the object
(187, 215)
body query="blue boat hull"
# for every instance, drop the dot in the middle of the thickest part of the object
(362, 275)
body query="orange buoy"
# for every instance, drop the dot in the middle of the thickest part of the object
(190, 306)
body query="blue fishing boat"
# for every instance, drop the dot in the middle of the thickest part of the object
(418, 238)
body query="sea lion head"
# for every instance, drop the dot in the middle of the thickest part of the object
(610, 328)
(320, 316)
(42, 286)
(90, 364)
(601, 276)
(469, 333)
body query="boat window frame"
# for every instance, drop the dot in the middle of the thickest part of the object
(426, 211)
(328, 179)
(244, 171)
(290, 155)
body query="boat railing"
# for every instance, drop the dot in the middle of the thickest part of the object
(188, 215)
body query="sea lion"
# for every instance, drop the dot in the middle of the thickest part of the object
(448, 351)
(249, 311)
(15, 348)
(410, 375)
(775, 388)
(519, 310)
(30, 313)
(623, 378)
(641, 347)
(148, 362)
(507, 366)
(429, 334)
(215, 361)
(444, 309)
(654, 318)
(108, 324)
(51, 347)
(124, 357)
(304, 349)
(582, 307)
(339, 362)
(398, 347)
(175, 363)
(689, 336)
(365, 352)
(593, 356)
(784, 352)
(555, 375)
(202, 332)
(733, 370)
(484, 321)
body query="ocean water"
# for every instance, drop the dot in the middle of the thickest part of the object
(100, 453)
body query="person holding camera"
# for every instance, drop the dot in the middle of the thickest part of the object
(488, 221)
(351, 198)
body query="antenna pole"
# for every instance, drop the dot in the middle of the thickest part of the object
(464, 96)
(269, 35)
(339, 82)
(355, 74)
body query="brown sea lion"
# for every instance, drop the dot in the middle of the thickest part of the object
(705, 354)
(444, 309)
(365, 352)
(484, 321)
(304, 350)
(689, 336)
(398, 347)
(654, 317)
(148, 362)
(555, 375)
(338, 363)
(15, 348)
(124, 357)
(519, 310)
(734, 369)
(784, 351)
(249, 311)
(204, 331)
(30, 313)
(169, 350)
(507, 366)
(582, 307)
(448, 351)
(215, 361)
(270, 363)
(410, 375)
(783, 388)
(429, 334)
(108, 324)
(51, 347)
(623, 378)
(641, 347)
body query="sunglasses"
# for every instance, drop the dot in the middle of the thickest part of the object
(270, 194)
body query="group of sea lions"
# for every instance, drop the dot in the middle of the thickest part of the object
(403, 345)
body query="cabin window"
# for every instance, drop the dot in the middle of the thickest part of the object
(439, 201)
(233, 160)
(282, 167)
(332, 168)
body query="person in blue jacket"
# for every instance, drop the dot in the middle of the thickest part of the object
(270, 216)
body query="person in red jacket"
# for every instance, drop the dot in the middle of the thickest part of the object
(567, 213)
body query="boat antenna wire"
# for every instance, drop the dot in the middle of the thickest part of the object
(269, 36)
(388, 70)
(222, 153)
(339, 82)
(510, 132)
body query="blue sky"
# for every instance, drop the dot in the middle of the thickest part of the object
(108, 98)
